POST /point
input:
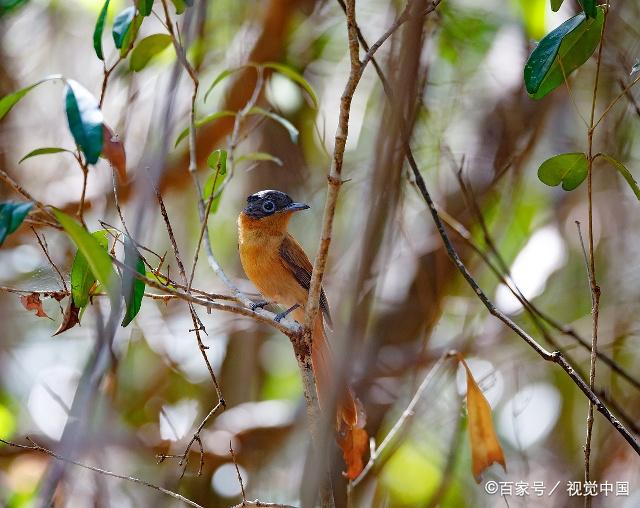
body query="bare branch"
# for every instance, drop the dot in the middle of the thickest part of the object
(406, 414)
(36, 447)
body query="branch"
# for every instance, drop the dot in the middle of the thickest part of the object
(593, 283)
(556, 356)
(406, 414)
(286, 326)
(23, 192)
(342, 131)
(36, 447)
(262, 504)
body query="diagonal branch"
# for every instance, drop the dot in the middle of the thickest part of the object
(36, 447)
(556, 356)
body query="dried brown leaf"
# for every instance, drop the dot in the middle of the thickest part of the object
(70, 318)
(113, 151)
(33, 302)
(354, 443)
(485, 447)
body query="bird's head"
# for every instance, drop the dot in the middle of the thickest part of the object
(271, 202)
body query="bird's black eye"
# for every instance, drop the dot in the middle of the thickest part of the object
(268, 206)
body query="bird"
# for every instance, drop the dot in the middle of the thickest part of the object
(281, 270)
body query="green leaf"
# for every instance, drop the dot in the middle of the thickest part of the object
(11, 216)
(561, 52)
(291, 129)
(556, 4)
(146, 49)
(220, 77)
(218, 159)
(211, 186)
(82, 278)
(97, 31)
(43, 151)
(570, 169)
(133, 287)
(6, 6)
(130, 35)
(85, 120)
(294, 76)
(259, 156)
(589, 7)
(626, 174)
(181, 5)
(199, 123)
(97, 258)
(122, 24)
(8, 101)
(145, 7)
(160, 279)
(465, 36)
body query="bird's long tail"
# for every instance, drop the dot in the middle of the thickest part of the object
(351, 435)
(325, 369)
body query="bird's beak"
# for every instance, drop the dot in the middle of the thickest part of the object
(295, 207)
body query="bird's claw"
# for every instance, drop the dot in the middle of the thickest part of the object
(281, 315)
(259, 305)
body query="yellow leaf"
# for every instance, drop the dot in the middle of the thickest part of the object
(485, 448)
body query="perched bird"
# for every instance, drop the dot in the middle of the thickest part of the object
(278, 266)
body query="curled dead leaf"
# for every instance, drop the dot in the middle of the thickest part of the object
(70, 318)
(33, 302)
(113, 151)
(485, 447)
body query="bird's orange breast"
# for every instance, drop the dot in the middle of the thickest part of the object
(259, 247)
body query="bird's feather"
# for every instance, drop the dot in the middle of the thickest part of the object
(296, 260)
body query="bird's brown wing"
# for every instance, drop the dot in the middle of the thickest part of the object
(296, 260)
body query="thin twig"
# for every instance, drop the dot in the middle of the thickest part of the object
(23, 192)
(233, 457)
(262, 504)
(36, 447)
(556, 356)
(406, 414)
(593, 283)
(286, 326)
(197, 326)
(85, 177)
(43, 245)
(625, 91)
(106, 73)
